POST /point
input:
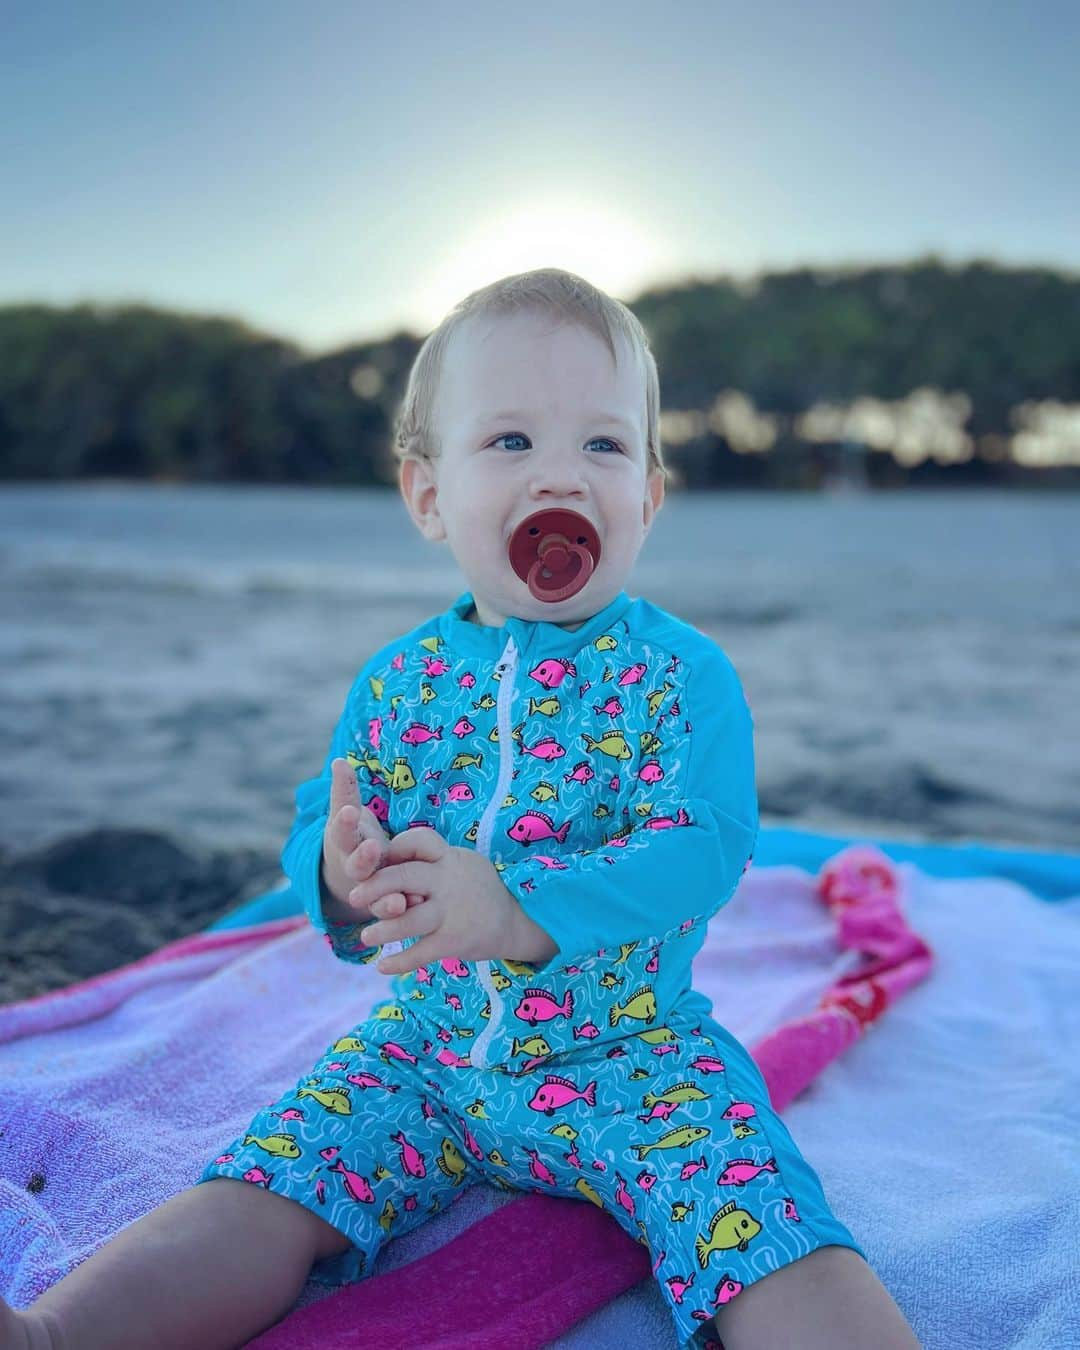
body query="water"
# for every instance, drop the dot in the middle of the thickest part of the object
(176, 657)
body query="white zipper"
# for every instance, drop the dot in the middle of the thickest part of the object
(508, 667)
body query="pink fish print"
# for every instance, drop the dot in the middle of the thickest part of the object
(412, 1160)
(611, 706)
(548, 863)
(379, 808)
(739, 1111)
(679, 1287)
(258, 1177)
(462, 727)
(624, 1198)
(548, 748)
(356, 1186)
(741, 1170)
(471, 1141)
(467, 681)
(392, 1050)
(667, 822)
(557, 1092)
(454, 965)
(535, 825)
(452, 1060)
(537, 1005)
(539, 1169)
(586, 1031)
(398, 663)
(790, 1210)
(460, 792)
(581, 773)
(633, 673)
(650, 772)
(329, 1154)
(416, 733)
(434, 665)
(690, 1168)
(374, 727)
(320, 1190)
(553, 671)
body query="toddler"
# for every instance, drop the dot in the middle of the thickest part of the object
(532, 805)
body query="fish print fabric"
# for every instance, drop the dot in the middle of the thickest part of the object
(608, 773)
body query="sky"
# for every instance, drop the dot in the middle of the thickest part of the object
(336, 173)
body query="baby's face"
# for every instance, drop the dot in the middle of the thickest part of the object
(534, 415)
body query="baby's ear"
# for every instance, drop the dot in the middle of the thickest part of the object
(420, 492)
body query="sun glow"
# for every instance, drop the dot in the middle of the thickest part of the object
(608, 249)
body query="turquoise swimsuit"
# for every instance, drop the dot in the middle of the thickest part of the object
(608, 773)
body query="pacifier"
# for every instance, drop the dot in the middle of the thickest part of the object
(554, 551)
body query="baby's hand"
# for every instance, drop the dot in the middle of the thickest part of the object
(354, 847)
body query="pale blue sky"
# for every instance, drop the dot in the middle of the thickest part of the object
(330, 173)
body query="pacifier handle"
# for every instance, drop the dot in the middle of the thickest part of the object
(554, 555)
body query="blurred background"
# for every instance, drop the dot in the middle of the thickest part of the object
(853, 237)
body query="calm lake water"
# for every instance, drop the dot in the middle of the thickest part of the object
(177, 657)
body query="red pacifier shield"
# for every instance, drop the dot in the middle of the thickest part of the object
(554, 552)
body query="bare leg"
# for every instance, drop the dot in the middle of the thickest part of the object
(212, 1267)
(827, 1300)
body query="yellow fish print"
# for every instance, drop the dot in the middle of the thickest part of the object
(387, 1217)
(679, 1211)
(509, 800)
(344, 1043)
(535, 1045)
(626, 950)
(376, 687)
(432, 644)
(643, 808)
(497, 1158)
(601, 812)
(650, 742)
(564, 1131)
(451, 1163)
(493, 734)
(381, 1173)
(395, 700)
(488, 702)
(548, 706)
(730, 1227)
(476, 1110)
(519, 967)
(686, 1136)
(472, 832)
(334, 1100)
(587, 1191)
(280, 1145)
(606, 643)
(679, 1092)
(544, 792)
(657, 1036)
(390, 1012)
(656, 698)
(402, 778)
(639, 1073)
(609, 981)
(463, 761)
(500, 981)
(607, 675)
(613, 744)
(641, 1006)
(740, 1129)
(427, 693)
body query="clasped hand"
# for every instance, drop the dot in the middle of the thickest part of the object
(465, 910)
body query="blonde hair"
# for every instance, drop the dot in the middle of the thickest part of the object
(547, 290)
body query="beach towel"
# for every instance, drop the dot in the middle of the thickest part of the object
(115, 1091)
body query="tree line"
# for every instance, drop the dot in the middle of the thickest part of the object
(136, 391)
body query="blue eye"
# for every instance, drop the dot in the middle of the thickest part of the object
(511, 435)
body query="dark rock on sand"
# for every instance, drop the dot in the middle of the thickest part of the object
(86, 903)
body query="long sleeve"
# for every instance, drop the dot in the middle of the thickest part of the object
(301, 856)
(686, 857)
